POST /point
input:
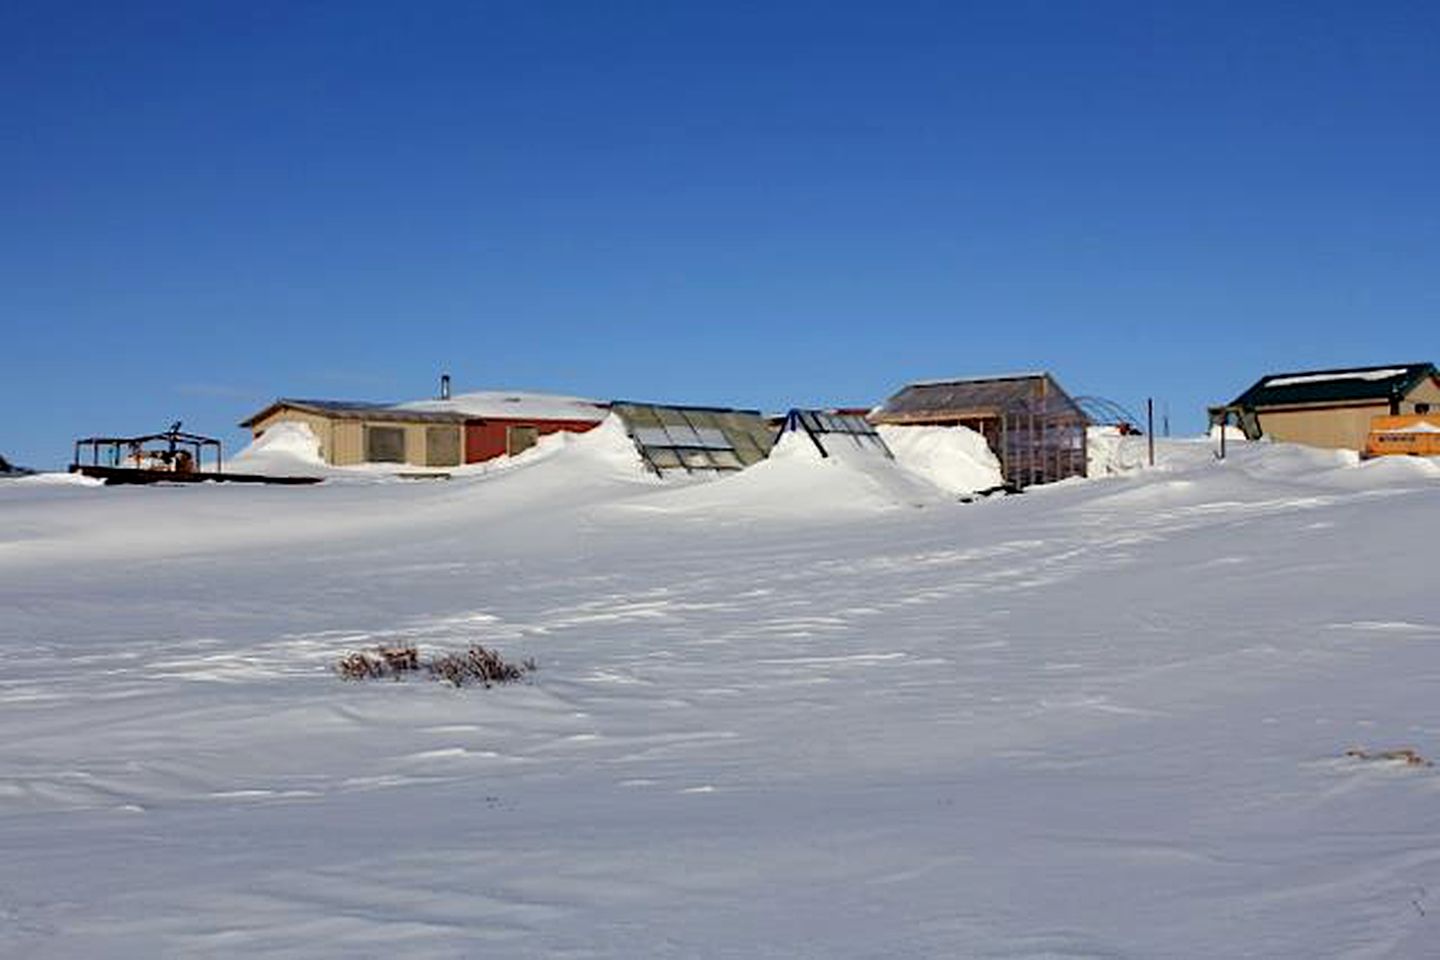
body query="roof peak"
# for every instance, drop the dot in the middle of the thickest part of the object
(1407, 368)
(1031, 375)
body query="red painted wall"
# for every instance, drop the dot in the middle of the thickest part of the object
(485, 439)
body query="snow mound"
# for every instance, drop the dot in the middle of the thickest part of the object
(514, 404)
(287, 448)
(955, 459)
(1109, 453)
(1423, 426)
(605, 451)
(797, 482)
(54, 480)
(1233, 434)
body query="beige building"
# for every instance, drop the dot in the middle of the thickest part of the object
(1331, 408)
(351, 433)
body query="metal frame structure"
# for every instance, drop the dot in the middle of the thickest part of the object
(697, 440)
(183, 453)
(819, 424)
(1104, 412)
(1034, 427)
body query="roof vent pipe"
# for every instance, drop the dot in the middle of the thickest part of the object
(444, 386)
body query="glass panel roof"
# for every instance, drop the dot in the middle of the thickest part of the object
(828, 428)
(696, 440)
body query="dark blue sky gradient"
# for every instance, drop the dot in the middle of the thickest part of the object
(760, 204)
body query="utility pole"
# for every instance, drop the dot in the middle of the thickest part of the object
(1150, 426)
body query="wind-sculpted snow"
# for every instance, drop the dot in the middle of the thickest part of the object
(1101, 719)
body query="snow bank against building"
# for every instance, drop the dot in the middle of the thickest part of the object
(955, 459)
(604, 452)
(286, 448)
(1109, 453)
(797, 482)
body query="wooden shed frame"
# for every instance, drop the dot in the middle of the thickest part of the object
(1033, 426)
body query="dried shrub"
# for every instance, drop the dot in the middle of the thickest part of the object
(379, 663)
(1404, 755)
(475, 666)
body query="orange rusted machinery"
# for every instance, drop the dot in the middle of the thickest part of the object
(1415, 434)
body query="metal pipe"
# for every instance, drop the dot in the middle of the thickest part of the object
(1150, 426)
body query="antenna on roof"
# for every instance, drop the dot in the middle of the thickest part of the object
(444, 386)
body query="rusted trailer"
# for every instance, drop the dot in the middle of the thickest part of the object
(170, 457)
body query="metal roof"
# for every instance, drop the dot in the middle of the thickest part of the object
(1346, 385)
(355, 410)
(930, 401)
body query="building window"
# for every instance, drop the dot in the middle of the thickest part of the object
(518, 439)
(442, 446)
(385, 444)
(1422, 408)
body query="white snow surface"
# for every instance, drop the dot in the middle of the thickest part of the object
(1110, 453)
(286, 448)
(955, 459)
(514, 404)
(796, 482)
(1107, 718)
(1342, 375)
(1423, 426)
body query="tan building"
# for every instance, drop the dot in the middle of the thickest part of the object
(465, 428)
(351, 433)
(1331, 408)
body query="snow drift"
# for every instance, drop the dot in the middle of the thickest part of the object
(1143, 717)
(286, 448)
(795, 481)
(955, 459)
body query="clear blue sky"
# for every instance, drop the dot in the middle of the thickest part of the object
(206, 206)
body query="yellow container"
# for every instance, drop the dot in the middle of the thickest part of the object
(1416, 435)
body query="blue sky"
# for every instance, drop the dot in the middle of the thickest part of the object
(762, 204)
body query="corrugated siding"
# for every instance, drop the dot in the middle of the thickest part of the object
(347, 439)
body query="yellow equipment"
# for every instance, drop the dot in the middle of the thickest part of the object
(1416, 434)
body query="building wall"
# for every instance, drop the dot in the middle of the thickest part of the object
(1427, 392)
(342, 441)
(322, 427)
(1338, 428)
(348, 443)
(486, 439)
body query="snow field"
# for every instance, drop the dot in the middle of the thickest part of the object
(803, 711)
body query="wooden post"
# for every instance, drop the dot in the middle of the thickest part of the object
(1150, 426)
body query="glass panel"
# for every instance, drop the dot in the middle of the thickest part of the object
(663, 457)
(696, 458)
(726, 459)
(652, 437)
(682, 435)
(713, 438)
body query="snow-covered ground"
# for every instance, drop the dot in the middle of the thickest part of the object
(812, 710)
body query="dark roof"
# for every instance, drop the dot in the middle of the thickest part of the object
(355, 410)
(1349, 385)
(936, 400)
